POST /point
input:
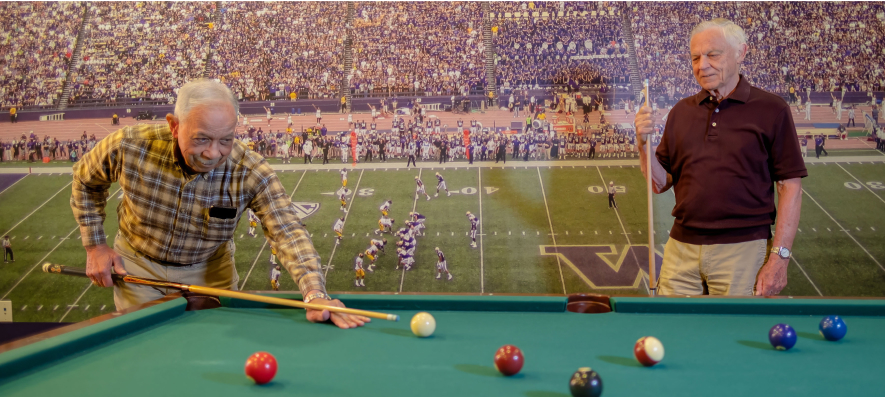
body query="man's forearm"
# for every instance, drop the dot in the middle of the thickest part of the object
(789, 205)
(661, 180)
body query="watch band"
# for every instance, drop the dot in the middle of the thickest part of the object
(320, 294)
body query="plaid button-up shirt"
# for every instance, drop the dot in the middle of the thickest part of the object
(164, 213)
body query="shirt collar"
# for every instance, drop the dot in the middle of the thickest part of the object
(741, 93)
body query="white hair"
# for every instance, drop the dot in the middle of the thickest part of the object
(734, 34)
(200, 92)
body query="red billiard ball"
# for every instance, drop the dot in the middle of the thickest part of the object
(508, 360)
(261, 367)
(648, 351)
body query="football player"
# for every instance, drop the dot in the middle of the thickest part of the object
(441, 264)
(473, 223)
(441, 184)
(253, 222)
(338, 228)
(419, 190)
(344, 178)
(275, 278)
(342, 197)
(360, 273)
(385, 208)
(405, 258)
(379, 243)
(371, 254)
(385, 225)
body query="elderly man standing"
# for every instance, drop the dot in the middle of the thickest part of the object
(724, 151)
(185, 186)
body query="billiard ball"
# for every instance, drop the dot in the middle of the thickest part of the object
(832, 328)
(648, 351)
(508, 360)
(585, 382)
(423, 324)
(782, 337)
(261, 367)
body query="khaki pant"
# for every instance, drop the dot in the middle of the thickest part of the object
(718, 269)
(217, 272)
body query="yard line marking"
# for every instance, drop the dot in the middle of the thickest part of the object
(523, 232)
(71, 307)
(862, 184)
(800, 230)
(241, 236)
(55, 308)
(828, 229)
(38, 208)
(582, 232)
(629, 244)
(806, 275)
(414, 206)
(13, 184)
(40, 262)
(596, 232)
(26, 237)
(846, 233)
(814, 229)
(367, 234)
(102, 307)
(23, 308)
(53, 237)
(496, 233)
(39, 237)
(550, 222)
(87, 308)
(537, 233)
(858, 228)
(874, 229)
(640, 232)
(353, 235)
(437, 233)
(566, 232)
(39, 307)
(346, 214)
(249, 273)
(453, 233)
(325, 234)
(482, 284)
(610, 232)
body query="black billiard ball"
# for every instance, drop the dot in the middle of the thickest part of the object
(585, 383)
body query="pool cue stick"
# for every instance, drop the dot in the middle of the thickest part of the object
(73, 271)
(651, 217)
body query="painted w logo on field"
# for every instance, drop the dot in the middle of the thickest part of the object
(606, 266)
(305, 209)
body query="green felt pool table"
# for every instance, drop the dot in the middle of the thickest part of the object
(714, 346)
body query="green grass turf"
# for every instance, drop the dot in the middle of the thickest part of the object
(544, 203)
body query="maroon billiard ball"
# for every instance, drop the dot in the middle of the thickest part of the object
(508, 360)
(648, 351)
(261, 367)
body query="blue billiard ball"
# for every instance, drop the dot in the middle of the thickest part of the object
(782, 337)
(832, 328)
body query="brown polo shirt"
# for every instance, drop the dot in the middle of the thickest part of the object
(724, 158)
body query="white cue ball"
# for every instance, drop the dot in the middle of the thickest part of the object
(423, 324)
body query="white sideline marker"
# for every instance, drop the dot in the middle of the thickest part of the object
(26, 237)
(39, 307)
(24, 307)
(42, 236)
(813, 228)
(55, 308)
(87, 308)
(102, 307)
(874, 229)
(828, 229)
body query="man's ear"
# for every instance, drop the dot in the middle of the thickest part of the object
(173, 124)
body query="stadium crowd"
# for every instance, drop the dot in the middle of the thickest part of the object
(142, 49)
(35, 49)
(433, 47)
(271, 49)
(538, 51)
(268, 49)
(793, 47)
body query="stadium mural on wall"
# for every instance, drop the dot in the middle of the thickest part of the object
(305, 209)
(606, 266)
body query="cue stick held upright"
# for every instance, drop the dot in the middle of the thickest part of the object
(651, 217)
(72, 271)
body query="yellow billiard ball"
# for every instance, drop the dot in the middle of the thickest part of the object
(423, 324)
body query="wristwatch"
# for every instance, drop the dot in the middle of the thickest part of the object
(782, 252)
(315, 295)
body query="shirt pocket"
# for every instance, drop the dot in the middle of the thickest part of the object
(215, 229)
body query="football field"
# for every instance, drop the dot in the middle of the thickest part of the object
(544, 228)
